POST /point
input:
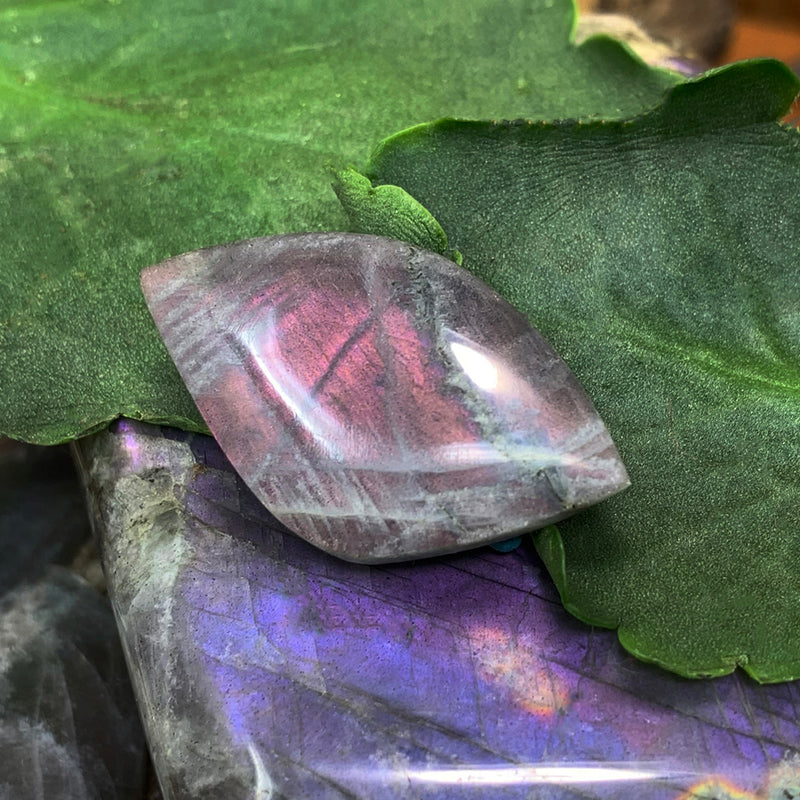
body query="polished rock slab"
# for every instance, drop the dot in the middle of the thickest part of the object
(42, 513)
(381, 401)
(69, 726)
(266, 668)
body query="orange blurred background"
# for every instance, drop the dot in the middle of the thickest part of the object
(701, 33)
(765, 28)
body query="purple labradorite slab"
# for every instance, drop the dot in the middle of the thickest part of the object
(265, 668)
(382, 402)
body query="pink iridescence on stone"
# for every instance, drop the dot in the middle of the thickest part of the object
(381, 401)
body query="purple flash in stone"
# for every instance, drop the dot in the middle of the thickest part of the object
(382, 402)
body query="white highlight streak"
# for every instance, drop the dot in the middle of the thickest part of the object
(528, 776)
(478, 367)
(264, 787)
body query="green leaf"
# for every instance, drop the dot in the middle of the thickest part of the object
(390, 209)
(133, 131)
(661, 257)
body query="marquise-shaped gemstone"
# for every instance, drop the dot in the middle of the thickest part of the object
(381, 401)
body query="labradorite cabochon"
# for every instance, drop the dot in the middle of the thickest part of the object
(380, 400)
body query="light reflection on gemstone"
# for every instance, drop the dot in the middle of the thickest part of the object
(381, 401)
(544, 774)
(477, 366)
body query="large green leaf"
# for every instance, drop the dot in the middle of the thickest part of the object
(661, 257)
(133, 131)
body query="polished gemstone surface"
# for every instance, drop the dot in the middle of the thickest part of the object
(265, 668)
(382, 402)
